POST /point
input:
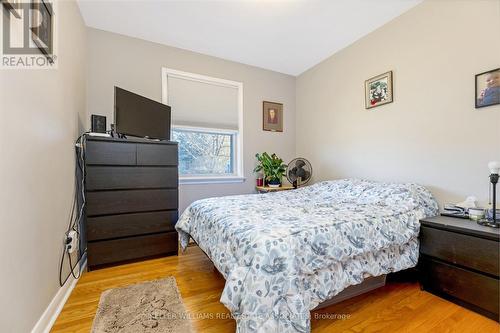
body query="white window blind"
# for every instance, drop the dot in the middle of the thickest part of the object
(202, 104)
(206, 121)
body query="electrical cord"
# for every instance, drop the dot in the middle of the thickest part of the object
(76, 224)
(75, 221)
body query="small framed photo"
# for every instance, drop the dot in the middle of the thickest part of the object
(488, 88)
(272, 116)
(378, 90)
(42, 22)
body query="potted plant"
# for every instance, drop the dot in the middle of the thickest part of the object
(273, 168)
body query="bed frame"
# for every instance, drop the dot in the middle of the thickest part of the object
(369, 284)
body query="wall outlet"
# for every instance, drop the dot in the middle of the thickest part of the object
(71, 241)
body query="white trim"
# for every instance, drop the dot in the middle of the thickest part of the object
(168, 72)
(49, 316)
(239, 135)
(195, 180)
(205, 129)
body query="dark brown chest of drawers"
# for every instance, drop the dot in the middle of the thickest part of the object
(131, 191)
(459, 261)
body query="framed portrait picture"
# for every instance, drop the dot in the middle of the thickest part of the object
(272, 116)
(378, 90)
(42, 22)
(488, 88)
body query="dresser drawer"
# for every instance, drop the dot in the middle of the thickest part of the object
(130, 201)
(110, 153)
(156, 154)
(115, 178)
(467, 251)
(105, 252)
(115, 226)
(480, 291)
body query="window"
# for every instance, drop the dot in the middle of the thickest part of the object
(204, 151)
(207, 124)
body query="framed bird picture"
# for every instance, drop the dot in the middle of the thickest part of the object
(488, 88)
(378, 90)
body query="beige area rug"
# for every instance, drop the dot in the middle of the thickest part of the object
(150, 307)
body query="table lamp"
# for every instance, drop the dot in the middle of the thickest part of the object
(494, 171)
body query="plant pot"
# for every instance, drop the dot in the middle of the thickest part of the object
(274, 183)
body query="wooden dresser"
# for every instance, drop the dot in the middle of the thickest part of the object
(131, 189)
(459, 261)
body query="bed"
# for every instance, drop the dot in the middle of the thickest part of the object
(282, 254)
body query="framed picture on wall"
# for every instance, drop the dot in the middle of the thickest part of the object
(488, 88)
(272, 116)
(42, 25)
(378, 90)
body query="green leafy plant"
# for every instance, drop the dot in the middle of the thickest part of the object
(272, 166)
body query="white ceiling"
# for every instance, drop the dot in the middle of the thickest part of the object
(285, 36)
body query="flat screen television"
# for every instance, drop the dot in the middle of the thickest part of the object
(136, 115)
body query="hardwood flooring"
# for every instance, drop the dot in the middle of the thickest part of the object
(397, 307)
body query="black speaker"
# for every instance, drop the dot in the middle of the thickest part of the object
(98, 124)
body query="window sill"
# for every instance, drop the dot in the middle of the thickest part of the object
(210, 180)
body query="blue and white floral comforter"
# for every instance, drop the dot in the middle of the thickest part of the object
(284, 253)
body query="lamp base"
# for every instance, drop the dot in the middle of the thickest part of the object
(489, 223)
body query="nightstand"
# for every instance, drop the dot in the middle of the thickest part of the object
(266, 189)
(459, 261)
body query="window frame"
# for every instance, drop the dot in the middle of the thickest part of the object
(238, 175)
(209, 130)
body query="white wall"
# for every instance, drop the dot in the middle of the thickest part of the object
(431, 134)
(41, 112)
(135, 65)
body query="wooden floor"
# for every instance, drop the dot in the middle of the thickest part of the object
(397, 307)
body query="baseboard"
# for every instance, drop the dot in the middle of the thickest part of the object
(49, 316)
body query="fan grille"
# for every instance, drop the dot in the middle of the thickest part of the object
(299, 167)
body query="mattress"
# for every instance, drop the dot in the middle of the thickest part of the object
(284, 253)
